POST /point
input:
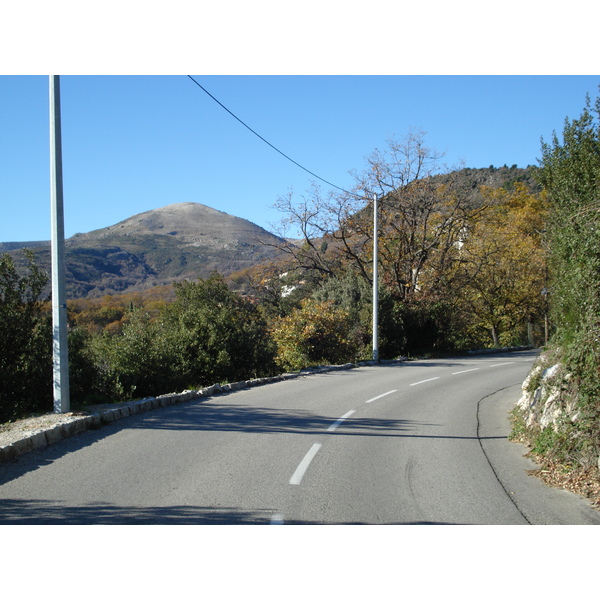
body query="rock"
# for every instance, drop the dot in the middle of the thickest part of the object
(545, 405)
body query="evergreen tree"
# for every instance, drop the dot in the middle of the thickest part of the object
(25, 341)
(570, 172)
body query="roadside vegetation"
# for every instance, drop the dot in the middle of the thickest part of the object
(25, 341)
(569, 450)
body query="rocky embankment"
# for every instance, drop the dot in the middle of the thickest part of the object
(550, 400)
(544, 401)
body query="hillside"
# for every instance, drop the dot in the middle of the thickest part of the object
(189, 240)
(175, 242)
(471, 180)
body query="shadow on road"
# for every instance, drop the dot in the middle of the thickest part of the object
(248, 419)
(46, 512)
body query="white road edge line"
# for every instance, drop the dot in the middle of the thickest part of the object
(340, 420)
(466, 371)
(380, 396)
(501, 365)
(277, 519)
(299, 473)
(424, 381)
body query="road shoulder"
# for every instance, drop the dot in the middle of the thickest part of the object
(538, 503)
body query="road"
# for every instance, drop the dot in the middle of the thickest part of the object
(421, 442)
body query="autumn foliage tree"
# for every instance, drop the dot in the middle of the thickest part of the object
(423, 220)
(420, 219)
(109, 312)
(316, 333)
(500, 266)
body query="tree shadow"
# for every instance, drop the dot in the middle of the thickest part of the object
(249, 419)
(422, 363)
(239, 418)
(47, 512)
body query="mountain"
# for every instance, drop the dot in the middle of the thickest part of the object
(179, 241)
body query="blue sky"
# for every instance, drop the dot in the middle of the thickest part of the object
(325, 82)
(135, 143)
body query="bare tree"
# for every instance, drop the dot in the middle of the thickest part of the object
(421, 219)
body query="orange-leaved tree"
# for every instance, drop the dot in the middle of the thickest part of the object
(316, 333)
(502, 265)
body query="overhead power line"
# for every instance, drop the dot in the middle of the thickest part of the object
(375, 254)
(269, 143)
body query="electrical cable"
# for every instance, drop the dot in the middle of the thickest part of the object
(269, 143)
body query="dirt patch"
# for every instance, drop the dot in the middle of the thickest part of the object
(21, 428)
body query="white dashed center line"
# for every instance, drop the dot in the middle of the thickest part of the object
(299, 473)
(380, 396)
(277, 519)
(340, 420)
(424, 381)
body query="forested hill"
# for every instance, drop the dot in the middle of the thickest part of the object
(495, 177)
(189, 240)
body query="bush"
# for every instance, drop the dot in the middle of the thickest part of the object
(91, 380)
(414, 326)
(570, 172)
(137, 362)
(207, 335)
(316, 333)
(217, 335)
(25, 343)
(354, 295)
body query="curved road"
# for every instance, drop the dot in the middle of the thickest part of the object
(417, 442)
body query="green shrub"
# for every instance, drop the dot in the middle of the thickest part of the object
(207, 335)
(570, 172)
(90, 381)
(216, 335)
(25, 342)
(137, 362)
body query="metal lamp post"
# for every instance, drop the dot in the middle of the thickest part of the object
(375, 285)
(60, 355)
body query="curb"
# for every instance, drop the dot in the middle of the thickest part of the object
(498, 350)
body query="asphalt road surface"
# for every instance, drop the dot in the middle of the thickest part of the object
(421, 442)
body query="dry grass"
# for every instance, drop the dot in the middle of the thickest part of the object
(580, 480)
(584, 481)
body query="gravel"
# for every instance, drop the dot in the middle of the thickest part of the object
(17, 430)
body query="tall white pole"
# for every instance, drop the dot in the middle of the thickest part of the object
(60, 354)
(375, 284)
